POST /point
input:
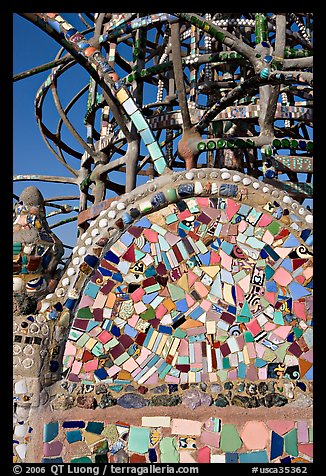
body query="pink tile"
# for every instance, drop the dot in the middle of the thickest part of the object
(171, 379)
(262, 373)
(86, 301)
(76, 366)
(151, 235)
(268, 237)
(182, 426)
(239, 293)
(201, 289)
(255, 435)
(251, 350)
(264, 220)
(232, 208)
(91, 365)
(113, 370)
(144, 353)
(280, 426)
(192, 277)
(254, 327)
(160, 311)
(206, 305)
(202, 201)
(233, 374)
(189, 299)
(242, 226)
(153, 379)
(244, 283)
(185, 457)
(70, 349)
(226, 260)
(204, 455)
(198, 351)
(210, 438)
(271, 297)
(215, 258)
(133, 320)
(251, 373)
(283, 331)
(282, 277)
(130, 365)
(306, 449)
(299, 310)
(104, 337)
(303, 436)
(183, 348)
(171, 238)
(300, 279)
(137, 295)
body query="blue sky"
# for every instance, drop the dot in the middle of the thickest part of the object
(33, 47)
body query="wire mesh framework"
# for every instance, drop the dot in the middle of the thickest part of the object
(179, 91)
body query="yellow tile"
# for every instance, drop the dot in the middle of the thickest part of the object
(122, 96)
(92, 438)
(90, 344)
(211, 270)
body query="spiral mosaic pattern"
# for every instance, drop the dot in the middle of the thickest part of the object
(202, 290)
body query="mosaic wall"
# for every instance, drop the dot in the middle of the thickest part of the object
(161, 439)
(202, 290)
(193, 291)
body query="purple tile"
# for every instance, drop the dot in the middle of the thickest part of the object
(52, 449)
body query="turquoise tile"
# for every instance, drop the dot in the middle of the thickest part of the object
(254, 457)
(154, 150)
(73, 436)
(50, 431)
(139, 121)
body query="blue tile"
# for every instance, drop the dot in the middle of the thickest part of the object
(182, 305)
(130, 331)
(91, 290)
(231, 457)
(276, 446)
(254, 457)
(110, 256)
(51, 430)
(73, 424)
(73, 436)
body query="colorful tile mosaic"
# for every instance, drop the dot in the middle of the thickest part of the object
(163, 439)
(206, 289)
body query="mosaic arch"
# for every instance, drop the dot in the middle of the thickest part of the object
(196, 288)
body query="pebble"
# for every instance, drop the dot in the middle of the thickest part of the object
(107, 401)
(160, 389)
(262, 388)
(172, 387)
(86, 402)
(194, 398)
(274, 400)
(132, 400)
(216, 388)
(142, 389)
(221, 401)
(100, 389)
(165, 400)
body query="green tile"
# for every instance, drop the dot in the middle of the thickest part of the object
(291, 443)
(273, 227)
(154, 150)
(230, 439)
(160, 164)
(138, 441)
(169, 451)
